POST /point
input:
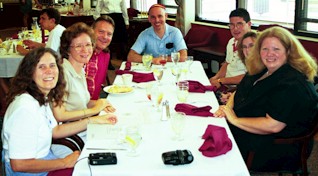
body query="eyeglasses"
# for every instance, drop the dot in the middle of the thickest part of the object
(79, 47)
(239, 25)
(247, 46)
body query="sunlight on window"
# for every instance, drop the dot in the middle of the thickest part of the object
(216, 10)
(272, 11)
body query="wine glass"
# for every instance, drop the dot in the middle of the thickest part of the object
(163, 60)
(148, 91)
(133, 139)
(182, 91)
(177, 125)
(176, 71)
(158, 73)
(147, 60)
(175, 57)
(189, 62)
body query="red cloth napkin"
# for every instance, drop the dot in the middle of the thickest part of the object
(127, 65)
(216, 141)
(195, 86)
(15, 36)
(188, 109)
(137, 77)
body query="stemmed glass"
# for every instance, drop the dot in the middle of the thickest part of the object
(182, 91)
(163, 60)
(176, 71)
(133, 138)
(175, 57)
(189, 62)
(158, 73)
(177, 125)
(147, 60)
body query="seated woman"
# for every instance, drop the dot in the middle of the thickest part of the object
(276, 98)
(245, 44)
(77, 44)
(29, 124)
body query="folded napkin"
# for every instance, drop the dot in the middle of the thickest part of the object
(127, 65)
(137, 77)
(195, 86)
(216, 141)
(188, 109)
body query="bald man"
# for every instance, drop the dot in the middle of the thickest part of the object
(160, 38)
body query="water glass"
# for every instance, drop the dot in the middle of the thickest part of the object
(133, 139)
(147, 60)
(182, 91)
(178, 120)
(189, 62)
(175, 57)
(156, 96)
(158, 73)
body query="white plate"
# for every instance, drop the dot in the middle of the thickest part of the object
(108, 87)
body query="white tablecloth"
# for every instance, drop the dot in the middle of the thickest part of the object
(135, 108)
(9, 65)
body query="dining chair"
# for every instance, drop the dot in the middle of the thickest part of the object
(198, 37)
(304, 141)
(73, 142)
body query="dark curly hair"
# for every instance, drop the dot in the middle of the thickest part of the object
(23, 81)
(72, 32)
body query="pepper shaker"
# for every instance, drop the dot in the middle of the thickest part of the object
(164, 111)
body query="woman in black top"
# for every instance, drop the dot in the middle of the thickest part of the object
(276, 98)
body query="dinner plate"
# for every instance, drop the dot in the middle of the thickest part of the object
(106, 89)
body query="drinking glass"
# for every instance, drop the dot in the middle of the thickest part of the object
(147, 60)
(177, 125)
(148, 91)
(182, 91)
(133, 139)
(156, 96)
(7, 45)
(163, 60)
(175, 57)
(158, 73)
(189, 62)
(25, 32)
(176, 71)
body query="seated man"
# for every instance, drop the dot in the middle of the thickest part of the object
(158, 39)
(97, 67)
(49, 20)
(233, 69)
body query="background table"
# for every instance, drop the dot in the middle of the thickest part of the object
(9, 65)
(135, 109)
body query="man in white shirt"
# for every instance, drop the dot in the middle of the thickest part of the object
(49, 20)
(233, 70)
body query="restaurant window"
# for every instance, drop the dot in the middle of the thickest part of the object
(301, 16)
(306, 22)
(171, 6)
(280, 12)
(214, 10)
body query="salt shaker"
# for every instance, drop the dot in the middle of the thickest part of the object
(165, 111)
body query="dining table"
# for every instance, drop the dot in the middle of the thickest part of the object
(135, 109)
(9, 63)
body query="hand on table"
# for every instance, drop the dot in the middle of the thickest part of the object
(102, 119)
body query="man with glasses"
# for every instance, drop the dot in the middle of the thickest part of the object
(49, 20)
(233, 69)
